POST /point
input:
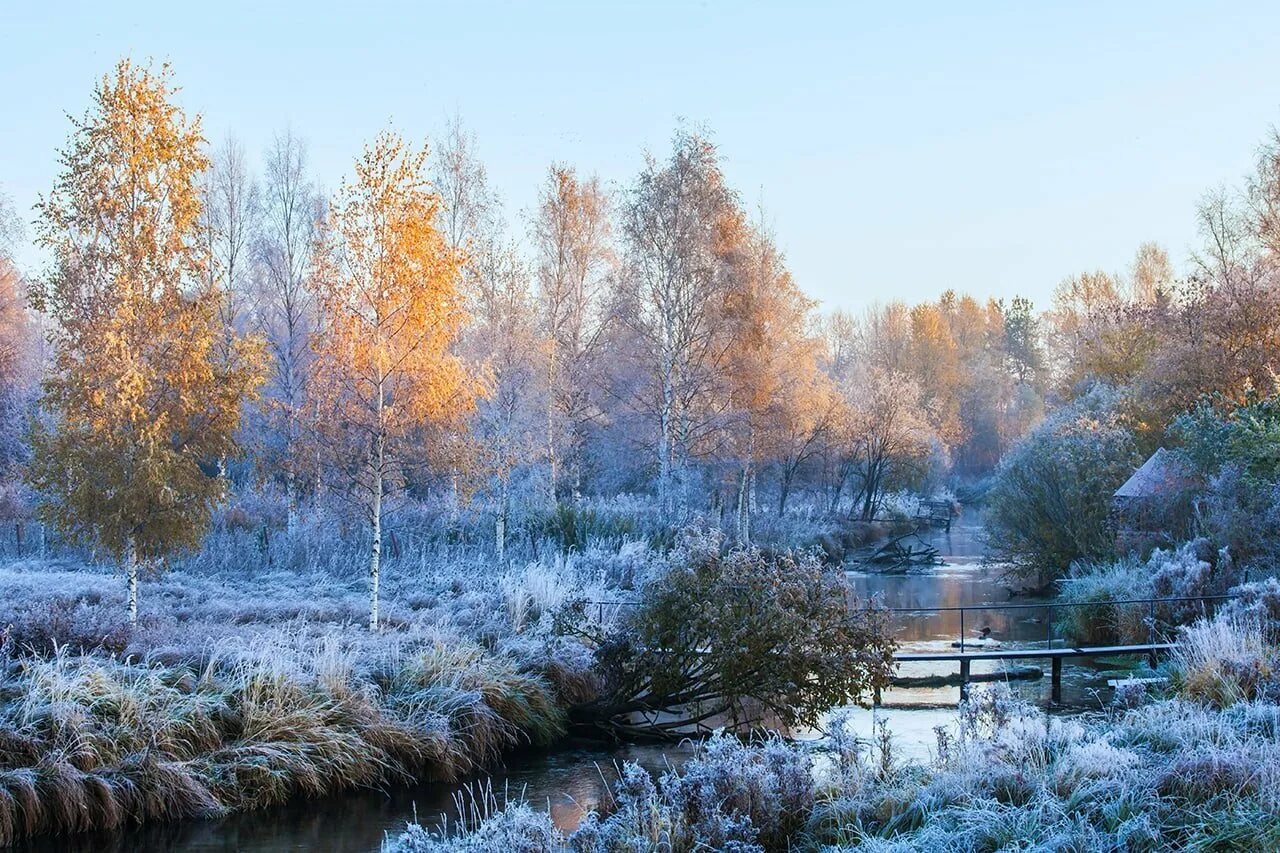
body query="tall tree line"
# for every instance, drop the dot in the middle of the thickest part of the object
(218, 322)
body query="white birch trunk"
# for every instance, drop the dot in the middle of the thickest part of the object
(664, 448)
(553, 462)
(375, 552)
(377, 465)
(290, 501)
(500, 526)
(131, 570)
(291, 464)
(746, 491)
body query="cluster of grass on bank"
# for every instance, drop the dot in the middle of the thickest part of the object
(1196, 768)
(94, 742)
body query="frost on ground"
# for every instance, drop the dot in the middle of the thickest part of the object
(243, 685)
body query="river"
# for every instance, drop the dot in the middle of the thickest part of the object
(576, 776)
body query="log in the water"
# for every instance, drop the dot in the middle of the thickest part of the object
(894, 554)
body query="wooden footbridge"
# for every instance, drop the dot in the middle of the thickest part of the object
(967, 650)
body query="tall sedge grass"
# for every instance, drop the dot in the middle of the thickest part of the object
(1227, 660)
(91, 742)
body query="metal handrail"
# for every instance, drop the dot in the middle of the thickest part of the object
(1055, 604)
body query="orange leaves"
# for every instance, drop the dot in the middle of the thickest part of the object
(387, 285)
(141, 402)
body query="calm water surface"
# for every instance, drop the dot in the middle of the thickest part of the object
(577, 777)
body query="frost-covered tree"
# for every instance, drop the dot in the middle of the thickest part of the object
(292, 210)
(1050, 502)
(507, 425)
(230, 207)
(387, 285)
(574, 259)
(672, 220)
(140, 400)
(769, 363)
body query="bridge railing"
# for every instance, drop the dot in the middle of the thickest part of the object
(1150, 610)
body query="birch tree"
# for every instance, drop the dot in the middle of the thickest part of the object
(468, 219)
(140, 399)
(466, 201)
(285, 315)
(571, 234)
(228, 223)
(671, 220)
(19, 350)
(387, 288)
(770, 357)
(503, 334)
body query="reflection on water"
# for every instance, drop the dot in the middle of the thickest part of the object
(577, 778)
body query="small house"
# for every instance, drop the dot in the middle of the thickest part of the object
(1152, 506)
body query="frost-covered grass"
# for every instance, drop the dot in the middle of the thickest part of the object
(1094, 616)
(246, 684)
(1231, 659)
(92, 741)
(1189, 572)
(1196, 769)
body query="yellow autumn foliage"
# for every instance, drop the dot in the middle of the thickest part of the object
(387, 285)
(139, 408)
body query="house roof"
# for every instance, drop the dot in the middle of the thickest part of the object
(1163, 474)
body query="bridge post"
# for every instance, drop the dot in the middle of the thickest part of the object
(964, 679)
(1056, 678)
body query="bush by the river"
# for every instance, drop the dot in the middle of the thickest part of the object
(743, 636)
(1096, 593)
(1049, 501)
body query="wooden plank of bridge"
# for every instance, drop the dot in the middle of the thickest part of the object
(1056, 656)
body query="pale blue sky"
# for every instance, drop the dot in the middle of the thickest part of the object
(992, 148)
